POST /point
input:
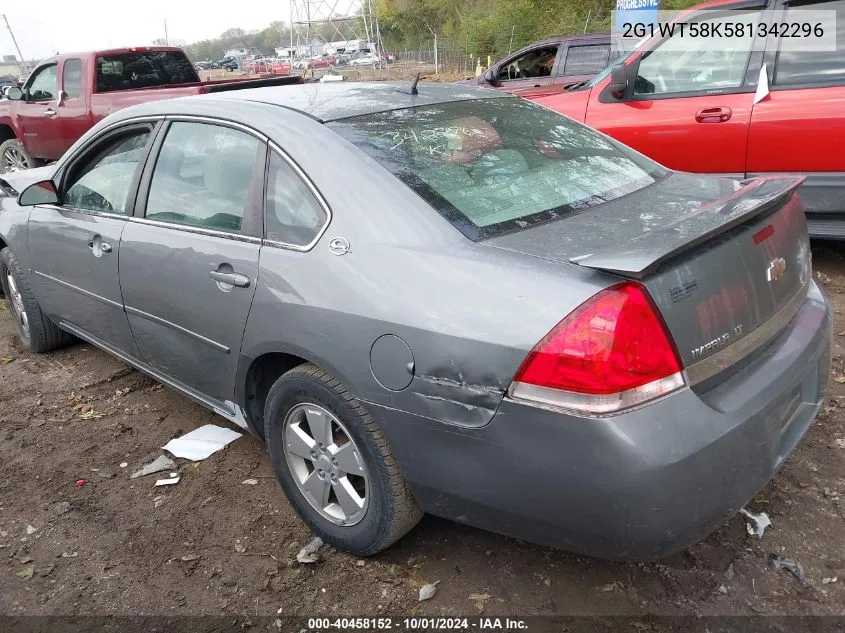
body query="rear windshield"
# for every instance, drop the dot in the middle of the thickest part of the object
(499, 165)
(143, 70)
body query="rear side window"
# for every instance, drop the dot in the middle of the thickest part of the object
(293, 214)
(813, 67)
(586, 60)
(126, 71)
(202, 177)
(72, 78)
(498, 165)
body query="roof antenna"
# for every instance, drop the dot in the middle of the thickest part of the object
(414, 90)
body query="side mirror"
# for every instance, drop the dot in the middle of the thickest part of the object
(14, 93)
(43, 192)
(489, 77)
(619, 81)
(60, 98)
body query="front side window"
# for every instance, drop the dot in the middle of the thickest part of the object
(72, 78)
(798, 66)
(586, 60)
(493, 166)
(684, 65)
(125, 71)
(42, 86)
(103, 183)
(536, 63)
(292, 213)
(202, 176)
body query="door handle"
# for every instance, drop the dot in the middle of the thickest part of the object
(718, 114)
(233, 279)
(50, 112)
(98, 246)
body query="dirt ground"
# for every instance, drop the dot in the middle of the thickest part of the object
(214, 545)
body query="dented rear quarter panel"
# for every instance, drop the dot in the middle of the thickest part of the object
(468, 312)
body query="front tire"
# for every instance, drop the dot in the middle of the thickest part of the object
(334, 463)
(35, 330)
(13, 157)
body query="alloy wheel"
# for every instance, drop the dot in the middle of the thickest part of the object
(326, 464)
(14, 159)
(16, 301)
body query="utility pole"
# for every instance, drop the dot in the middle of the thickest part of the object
(17, 48)
(166, 38)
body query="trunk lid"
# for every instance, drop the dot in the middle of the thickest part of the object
(720, 258)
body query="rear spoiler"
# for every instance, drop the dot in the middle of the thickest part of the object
(643, 254)
(255, 83)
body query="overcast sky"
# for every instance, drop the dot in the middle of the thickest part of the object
(44, 27)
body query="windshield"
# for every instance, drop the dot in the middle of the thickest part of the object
(126, 71)
(499, 165)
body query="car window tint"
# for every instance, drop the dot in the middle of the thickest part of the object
(585, 60)
(492, 166)
(202, 176)
(536, 63)
(293, 214)
(43, 85)
(803, 66)
(125, 71)
(681, 65)
(104, 184)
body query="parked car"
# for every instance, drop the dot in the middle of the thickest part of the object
(367, 59)
(281, 67)
(547, 66)
(231, 65)
(258, 66)
(66, 95)
(477, 308)
(695, 110)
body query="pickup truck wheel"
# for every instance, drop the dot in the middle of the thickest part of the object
(334, 463)
(13, 157)
(36, 331)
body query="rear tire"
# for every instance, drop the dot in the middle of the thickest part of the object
(385, 511)
(35, 330)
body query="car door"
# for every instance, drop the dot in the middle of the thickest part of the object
(75, 247)
(796, 126)
(37, 110)
(533, 68)
(687, 106)
(72, 117)
(189, 258)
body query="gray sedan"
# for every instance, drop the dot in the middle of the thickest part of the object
(454, 302)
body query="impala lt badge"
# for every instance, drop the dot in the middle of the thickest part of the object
(776, 269)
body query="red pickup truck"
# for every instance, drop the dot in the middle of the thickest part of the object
(701, 110)
(66, 95)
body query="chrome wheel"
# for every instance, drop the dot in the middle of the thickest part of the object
(16, 301)
(326, 464)
(15, 159)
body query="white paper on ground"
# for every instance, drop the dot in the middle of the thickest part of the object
(202, 442)
(762, 86)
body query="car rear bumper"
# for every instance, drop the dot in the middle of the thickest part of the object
(640, 485)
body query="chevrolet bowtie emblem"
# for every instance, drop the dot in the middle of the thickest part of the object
(776, 269)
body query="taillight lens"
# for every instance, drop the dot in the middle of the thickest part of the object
(610, 353)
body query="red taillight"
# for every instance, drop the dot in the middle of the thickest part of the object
(611, 352)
